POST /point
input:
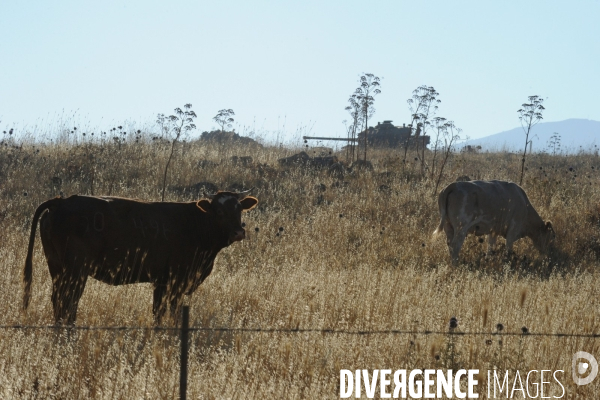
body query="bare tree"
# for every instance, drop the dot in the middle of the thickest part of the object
(423, 106)
(439, 127)
(354, 110)
(554, 143)
(529, 114)
(450, 135)
(175, 125)
(365, 96)
(224, 118)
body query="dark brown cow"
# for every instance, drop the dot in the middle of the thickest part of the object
(120, 241)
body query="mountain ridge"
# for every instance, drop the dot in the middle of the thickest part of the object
(576, 134)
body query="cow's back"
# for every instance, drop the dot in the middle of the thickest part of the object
(500, 193)
(120, 235)
(502, 204)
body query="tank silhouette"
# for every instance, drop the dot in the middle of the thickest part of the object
(385, 134)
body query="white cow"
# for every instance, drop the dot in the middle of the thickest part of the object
(493, 208)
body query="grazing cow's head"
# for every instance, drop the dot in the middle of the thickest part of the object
(546, 237)
(226, 208)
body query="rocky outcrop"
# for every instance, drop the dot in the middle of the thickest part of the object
(228, 137)
(303, 159)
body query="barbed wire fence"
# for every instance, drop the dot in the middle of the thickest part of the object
(185, 329)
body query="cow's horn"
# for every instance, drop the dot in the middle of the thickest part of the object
(209, 195)
(241, 195)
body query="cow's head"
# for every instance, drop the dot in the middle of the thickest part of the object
(226, 208)
(546, 237)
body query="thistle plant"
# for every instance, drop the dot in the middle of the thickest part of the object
(224, 118)
(174, 126)
(529, 114)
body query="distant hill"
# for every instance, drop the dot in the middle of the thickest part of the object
(575, 135)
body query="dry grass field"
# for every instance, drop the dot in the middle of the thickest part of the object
(355, 253)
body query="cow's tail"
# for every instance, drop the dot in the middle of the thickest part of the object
(442, 205)
(28, 271)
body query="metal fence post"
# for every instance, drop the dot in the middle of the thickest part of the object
(185, 325)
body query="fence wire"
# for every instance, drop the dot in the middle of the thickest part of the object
(185, 329)
(299, 330)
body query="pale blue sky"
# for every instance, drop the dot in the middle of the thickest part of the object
(298, 62)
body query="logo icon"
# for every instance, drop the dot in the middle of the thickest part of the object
(581, 368)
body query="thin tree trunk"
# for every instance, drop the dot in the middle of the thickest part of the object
(353, 143)
(439, 179)
(423, 157)
(167, 167)
(524, 154)
(366, 137)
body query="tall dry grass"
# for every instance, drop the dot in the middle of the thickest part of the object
(355, 253)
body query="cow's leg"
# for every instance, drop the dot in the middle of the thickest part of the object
(58, 287)
(158, 307)
(449, 231)
(67, 290)
(77, 287)
(511, 238)
(491, 243)
(58, 290)
(175, 300)
(166, 296)
(456, 244)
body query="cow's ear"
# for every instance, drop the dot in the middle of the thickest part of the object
(249, 203)
(204, 205)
